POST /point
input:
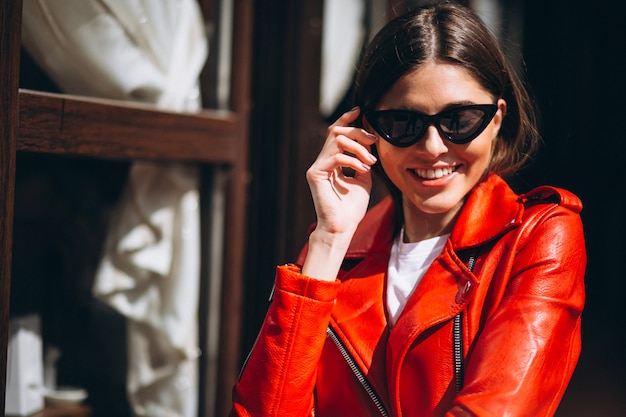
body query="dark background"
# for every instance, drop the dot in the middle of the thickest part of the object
(574, 65)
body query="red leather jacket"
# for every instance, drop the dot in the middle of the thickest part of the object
(521, 307)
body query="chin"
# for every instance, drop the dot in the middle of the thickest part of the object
(441, 204)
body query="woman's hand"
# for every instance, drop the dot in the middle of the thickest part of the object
(340, 200)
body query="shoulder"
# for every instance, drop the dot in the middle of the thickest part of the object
(552, 195)
(552, 215)
(555, 206)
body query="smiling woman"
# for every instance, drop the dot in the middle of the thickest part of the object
(432, 200)
(408, 308)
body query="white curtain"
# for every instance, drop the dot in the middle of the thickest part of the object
(343, 19)
(150, 51)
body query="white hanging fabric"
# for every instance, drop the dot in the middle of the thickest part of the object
(150, 51)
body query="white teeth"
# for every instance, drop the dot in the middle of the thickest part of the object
(434, 173)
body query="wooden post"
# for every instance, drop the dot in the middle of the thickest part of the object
(10, 31)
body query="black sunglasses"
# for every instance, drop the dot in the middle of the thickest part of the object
(405, 127)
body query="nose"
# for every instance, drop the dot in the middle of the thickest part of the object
(432, 143)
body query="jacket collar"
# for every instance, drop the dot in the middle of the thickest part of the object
(491, 209)
(480, 220)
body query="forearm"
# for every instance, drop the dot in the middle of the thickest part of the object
(279, 376)
(325, 254)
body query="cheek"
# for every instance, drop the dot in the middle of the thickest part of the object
(484, 146)
(388, 156)
(482, 154)
(493, 144)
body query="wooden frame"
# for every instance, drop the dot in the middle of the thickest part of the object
(70, 125)
(10, 22)
(93, 128)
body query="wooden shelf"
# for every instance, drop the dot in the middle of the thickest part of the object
(72, 125)
(68, 411)
(60, 124)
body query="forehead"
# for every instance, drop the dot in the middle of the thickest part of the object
(434, 86)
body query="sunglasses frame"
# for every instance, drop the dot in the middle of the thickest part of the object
(490, 111)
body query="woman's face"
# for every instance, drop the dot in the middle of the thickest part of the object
(435, 175)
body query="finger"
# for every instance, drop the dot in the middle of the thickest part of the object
(355, 149)
(351, 164)
(355, 134)
(348, 117)
(331, 163)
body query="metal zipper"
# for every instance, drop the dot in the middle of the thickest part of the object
(457, 347)
(357, 372)
(457, 341)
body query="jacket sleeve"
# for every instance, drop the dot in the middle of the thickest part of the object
(279, 376)
(526, 353)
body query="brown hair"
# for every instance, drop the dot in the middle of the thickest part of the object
(451, 33)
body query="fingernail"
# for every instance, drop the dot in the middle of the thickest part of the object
(355, 108)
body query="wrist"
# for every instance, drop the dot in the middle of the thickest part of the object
(325, 254)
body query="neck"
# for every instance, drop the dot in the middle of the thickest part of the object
(420, 226)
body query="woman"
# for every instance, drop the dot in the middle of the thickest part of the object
(453, 297)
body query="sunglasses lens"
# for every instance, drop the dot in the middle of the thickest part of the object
(398, 127)
(460, 124)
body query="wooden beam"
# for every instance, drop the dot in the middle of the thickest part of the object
(10, 24)
(236, 227)
(71, 125)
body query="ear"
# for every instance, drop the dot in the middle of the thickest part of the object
(498, 119)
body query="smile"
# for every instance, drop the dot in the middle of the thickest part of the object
(432, 174)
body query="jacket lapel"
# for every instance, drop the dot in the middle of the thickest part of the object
(359, 316)
(490, 210)
(435, 300)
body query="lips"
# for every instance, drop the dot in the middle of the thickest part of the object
(434, 173)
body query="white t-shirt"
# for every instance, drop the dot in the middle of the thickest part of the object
(407, 266)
